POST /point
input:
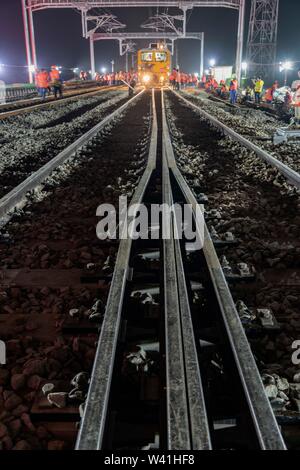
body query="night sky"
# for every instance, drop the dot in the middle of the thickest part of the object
(59, 41)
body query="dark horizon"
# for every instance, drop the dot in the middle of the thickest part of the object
(59, 41)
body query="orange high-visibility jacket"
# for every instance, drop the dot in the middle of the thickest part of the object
(54, 75)
(233, 85)
(42, 80)
(269, 94)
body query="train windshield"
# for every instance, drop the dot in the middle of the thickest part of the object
(147, 56)
(160, 56)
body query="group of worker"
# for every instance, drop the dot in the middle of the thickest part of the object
(180, 79)
(210, 84)
(291, 100)
(115, 78)
(46, 81)
(51, 81)
(253, 93)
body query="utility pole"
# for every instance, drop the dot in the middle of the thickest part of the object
(202, 57)
(126, 61)
(27, 40)
(92, 54)
(240, 40)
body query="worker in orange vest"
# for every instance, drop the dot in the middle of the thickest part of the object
(297, 105)
(172, 79)
(233, 90)
(269, 95)
(178, 79)
(224, 90)
(56, 82)
(42, 81)
(195, 80)
(215, 84)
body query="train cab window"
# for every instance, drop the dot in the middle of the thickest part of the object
(160, 56)
(147, 56)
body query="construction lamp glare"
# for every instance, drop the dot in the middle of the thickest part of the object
(287, 65)
(146, 78)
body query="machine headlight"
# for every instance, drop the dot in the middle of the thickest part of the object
(146, 78)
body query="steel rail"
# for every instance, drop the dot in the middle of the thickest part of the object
(177, 404)
(91, 433)
(267, 430)
(15, 110)
(181, 353)
(17, 197)
(186, 426)
(291, 175)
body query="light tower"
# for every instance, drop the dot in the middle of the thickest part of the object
(262, 38)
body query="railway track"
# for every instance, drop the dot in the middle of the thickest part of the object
(290, 175)
(173, 367)
(55, 232)
(17, 196)
(174, 349)
(253, 130)
(16, 108)
(31, 142)
(247, 216)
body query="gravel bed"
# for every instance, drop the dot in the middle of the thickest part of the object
(265, 220)
(253, 124)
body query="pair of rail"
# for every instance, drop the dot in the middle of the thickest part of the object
(188, 424)
(187, 417)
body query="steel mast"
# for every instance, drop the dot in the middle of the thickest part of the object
(262, 38)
